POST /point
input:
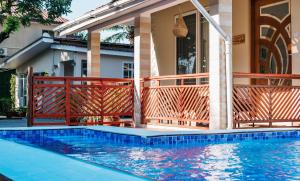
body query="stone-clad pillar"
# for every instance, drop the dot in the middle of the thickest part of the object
(141, 59)
(93, 54)
(222, 14)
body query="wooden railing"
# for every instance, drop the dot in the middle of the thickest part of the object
(78, 100)
(266, 104)
(177, 100)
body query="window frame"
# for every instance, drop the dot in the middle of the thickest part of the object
(82, 69)
(132, 69)
(198, 42)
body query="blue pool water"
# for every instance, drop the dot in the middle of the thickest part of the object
(272, 159)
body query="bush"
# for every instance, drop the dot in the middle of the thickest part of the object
(13, 90)
(21, 111)
(5, 106)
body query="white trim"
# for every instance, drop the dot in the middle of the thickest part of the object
(115, 15)
(104, 14)
(84, 50)
(89, 15)
(128, 62)
(43, 41)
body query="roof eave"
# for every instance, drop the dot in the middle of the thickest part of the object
(27, 53)
(103, 16)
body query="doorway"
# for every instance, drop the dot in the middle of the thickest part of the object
(271, 27)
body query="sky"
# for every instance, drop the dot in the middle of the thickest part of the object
(80, 7)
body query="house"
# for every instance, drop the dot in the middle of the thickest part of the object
(35, 46)
(16, 42)
(238, 65)
(65, 57)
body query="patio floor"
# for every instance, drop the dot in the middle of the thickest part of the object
(37, 164)
(9, 123)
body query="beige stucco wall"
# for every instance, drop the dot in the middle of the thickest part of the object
(241, 53)
(295, 39)
(164, 41)
(162, 23)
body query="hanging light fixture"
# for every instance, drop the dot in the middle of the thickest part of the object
(180, 29)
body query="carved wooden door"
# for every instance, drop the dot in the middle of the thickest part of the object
(272, 38)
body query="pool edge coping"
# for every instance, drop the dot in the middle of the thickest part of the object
(152, 133)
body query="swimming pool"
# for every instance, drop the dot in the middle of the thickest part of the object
(236, 156)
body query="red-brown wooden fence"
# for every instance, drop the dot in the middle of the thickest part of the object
(78, 100)
(179, 100)
(266, 103)
(170, 101)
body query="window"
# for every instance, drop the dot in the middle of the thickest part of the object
(50, 32)
(128, 69)
(204, 45)
(22, 87)
(83, 68)
(189, 58)
(186, 49)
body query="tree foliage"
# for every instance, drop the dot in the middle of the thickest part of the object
(122, 32)
(14, 13)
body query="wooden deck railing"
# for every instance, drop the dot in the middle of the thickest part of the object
(78, 100)
(177, 100)
(266, 103)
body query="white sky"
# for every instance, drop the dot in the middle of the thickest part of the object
(80, 7)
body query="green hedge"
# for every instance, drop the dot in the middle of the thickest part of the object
(5, 78)
(5, 106)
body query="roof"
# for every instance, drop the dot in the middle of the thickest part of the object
(103, 14)
(118, 12)
(63, 44)
(103, 46)
(58, 20)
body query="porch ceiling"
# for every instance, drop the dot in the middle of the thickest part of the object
(122, 11)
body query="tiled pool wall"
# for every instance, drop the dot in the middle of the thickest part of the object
(151, 140)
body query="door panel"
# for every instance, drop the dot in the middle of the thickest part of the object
(272, 21)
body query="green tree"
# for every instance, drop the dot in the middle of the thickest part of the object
(14, 13)
(123, 32)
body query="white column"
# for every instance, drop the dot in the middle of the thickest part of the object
(222, 14)
(295, 25)
(141, 60)
(93, 54)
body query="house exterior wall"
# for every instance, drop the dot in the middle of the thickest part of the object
(24, 37)
(295, 8)
(111, 66)
(164, 41)
(241, 53)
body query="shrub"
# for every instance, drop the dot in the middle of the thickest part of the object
(6, 105)
(13, 90)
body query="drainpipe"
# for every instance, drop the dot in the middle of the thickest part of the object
(228, 59)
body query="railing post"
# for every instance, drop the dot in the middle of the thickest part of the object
(101, 102)
(270, 106)
(142, 100)
(68, 100)
(30, 97)
(180, 102)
